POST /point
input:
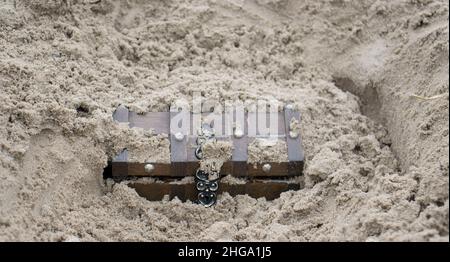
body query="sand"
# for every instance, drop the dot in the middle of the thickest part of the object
(369, 77)
(262, 150)
(215, 153)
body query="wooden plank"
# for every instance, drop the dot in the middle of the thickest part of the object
(119, 165)
(121, 115)
(233, 190)
(153, 191)
(161, 170)
(138, 169)
(295, 168)
(156, 191)
(269, 190)
(119, 170)
(178, 191)
(278, 169)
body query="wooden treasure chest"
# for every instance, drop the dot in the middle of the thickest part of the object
(255, 153)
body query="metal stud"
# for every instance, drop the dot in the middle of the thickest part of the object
(179, 136)
(213, 186)
(266, 168)
(201, 186)
(149, 168)
(238, 133)
(293, 134)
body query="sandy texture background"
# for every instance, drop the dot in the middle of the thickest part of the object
(369, 77)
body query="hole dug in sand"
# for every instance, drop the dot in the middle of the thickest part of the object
(368, 96)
